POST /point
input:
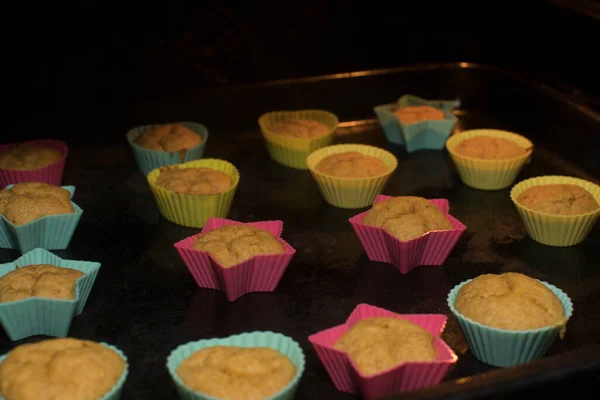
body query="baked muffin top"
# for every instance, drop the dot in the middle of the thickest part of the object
(39, 280)
(489, 148)
(407, 217)
(29, 201)
(558, 199)
(169, 138)
(199, 181)
(28, 158)
(65, 369)
(300, 128)
(232, 244)
(237, 373)
(381, 343)
(414, 114)
(352, 164)
(509, 301)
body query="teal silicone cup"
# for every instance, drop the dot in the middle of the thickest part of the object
(147, 159)
(41, 316)
(53, 232)
(115, 392)
(504, 348)
(424, 135)
(277, 341)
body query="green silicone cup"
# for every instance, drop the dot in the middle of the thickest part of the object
(53, 232)
(505, 348)
(277, 341)
(40, 316)
(115, 392)
(147, 159)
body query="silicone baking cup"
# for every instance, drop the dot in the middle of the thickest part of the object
(351, 192)
(556, 230)
(115, 392)
(193, 210)
(258, 274)
(147, 159)
(407, 376)
(42, 316)
(429, 134)
(52, 232)
(432, 248)
(505, 348)
(291, 151)
(52, 174)
(488, 174)
(276, 341)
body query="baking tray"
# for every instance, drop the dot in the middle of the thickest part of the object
(146, 303)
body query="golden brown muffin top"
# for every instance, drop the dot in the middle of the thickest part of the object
(39, 280)
(413, 114)
(407, 217)
(65, 369)
(28, 158)
(489, 148)
(169, 138)
(352, 164)
(193, 180)
(237, 373)
(380, 343)
(509, 301)
(29, 201)
(558, 199)
(232, 244)
(300, 128)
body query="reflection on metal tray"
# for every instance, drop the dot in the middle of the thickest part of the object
(146, 303)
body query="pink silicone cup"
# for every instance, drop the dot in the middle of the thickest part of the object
(51, 174)
(258, 274)
(432, 248)
(346, 376)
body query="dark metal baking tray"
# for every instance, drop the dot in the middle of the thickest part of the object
(145, 301)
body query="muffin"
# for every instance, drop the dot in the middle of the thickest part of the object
(32, 161)
(407, 217)
(230, 245)
(558, 199)
(66, 369)
(490, 148)
(196, 181)
(28, 158)
(237, 373)
(414, 114)
(39, 280)
(351, 164)
(300, 128)
(29, 201)
(381, 343)
(169, 138)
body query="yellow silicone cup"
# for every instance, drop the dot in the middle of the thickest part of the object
(194, 210)
(488, 174)
(351, 192)
(556, 230)
(290, 151)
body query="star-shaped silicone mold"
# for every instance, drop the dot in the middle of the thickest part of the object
(258, 274)
(428, 134)
(407, 376)
(42, 316)
(432, 248)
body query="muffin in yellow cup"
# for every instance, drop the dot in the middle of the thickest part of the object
(491, 171)
(351, 192)
(288, 149)
(193, 210)
(549, 227)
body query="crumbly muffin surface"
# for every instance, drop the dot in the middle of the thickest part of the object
(28, 158)
(232, 244)
(237, 373)
(65, 369)
(28, 201)
(558, 199)
(489, 148)
(352, 164)
(511, 301)
(169, 138)
(39, 280)
(414, 114)
(381, 343)
(407, 217)
(300, 128)
(200, 181)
